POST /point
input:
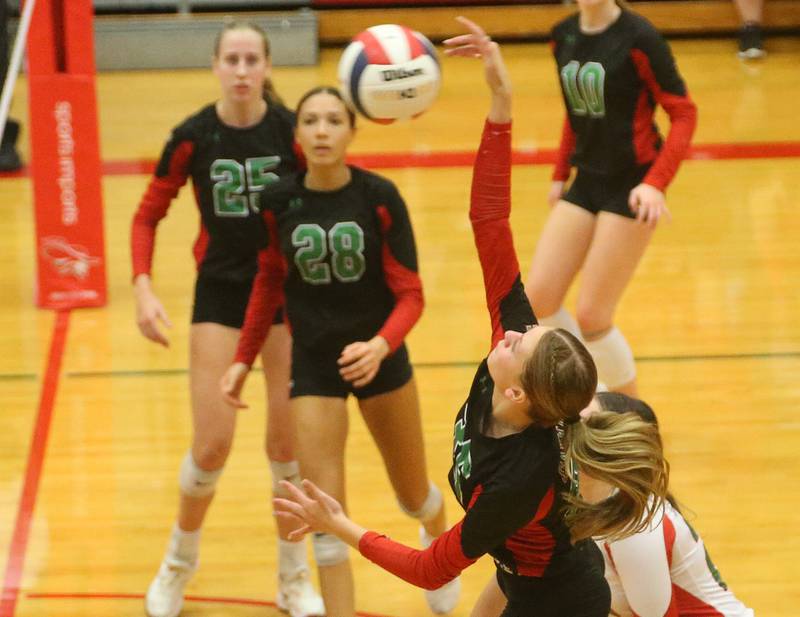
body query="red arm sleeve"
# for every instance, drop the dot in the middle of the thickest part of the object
(565, 149)
(657, 70)
(490, 207)
(170, 177)
(431, 568)
(265, 297)
(399, 256)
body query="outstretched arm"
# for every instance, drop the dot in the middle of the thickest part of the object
(490, 202)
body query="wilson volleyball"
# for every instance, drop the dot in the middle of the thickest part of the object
(389, 73)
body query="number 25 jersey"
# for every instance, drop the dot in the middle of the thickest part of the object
(230, 167)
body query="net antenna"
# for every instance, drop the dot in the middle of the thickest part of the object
(14, 63)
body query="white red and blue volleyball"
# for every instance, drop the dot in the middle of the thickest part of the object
(389, 73)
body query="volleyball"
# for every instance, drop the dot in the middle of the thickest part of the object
(390, 72)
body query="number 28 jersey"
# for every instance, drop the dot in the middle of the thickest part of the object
(230, 167)
(345, 259)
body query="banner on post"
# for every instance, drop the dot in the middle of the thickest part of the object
(65, 162)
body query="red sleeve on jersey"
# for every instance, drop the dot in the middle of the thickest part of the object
(265, 297)
(406, 287)
(154, 205)
(565, 150)
(683, 118)
(490, 207)
(431, 568)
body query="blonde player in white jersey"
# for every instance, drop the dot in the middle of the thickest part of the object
(664, 571)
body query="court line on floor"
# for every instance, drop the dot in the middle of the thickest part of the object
(465, 158)
(33, 468)
(18, 376)
(178, 372)
(139, 596)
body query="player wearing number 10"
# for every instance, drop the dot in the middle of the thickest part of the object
(232, 150)
(341, 247)
(614, 67)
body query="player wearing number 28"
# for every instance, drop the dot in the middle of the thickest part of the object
(341, 248)
(614, 68)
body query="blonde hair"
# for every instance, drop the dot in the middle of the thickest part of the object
(270, 94)
(626, 452)
(559, 378)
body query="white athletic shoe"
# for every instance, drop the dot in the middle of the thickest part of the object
(165, 595)
(444, 599)
(297, 597)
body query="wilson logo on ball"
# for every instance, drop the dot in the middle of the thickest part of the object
(389, 73)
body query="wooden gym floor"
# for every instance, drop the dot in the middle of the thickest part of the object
(94, 419)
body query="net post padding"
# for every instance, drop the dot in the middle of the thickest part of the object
(65, 161)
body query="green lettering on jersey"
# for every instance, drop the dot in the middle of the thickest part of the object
(229, 187)
(711, 567)
(347, 248)
(309, 238)
(260, 174)
(346, 242)
(584, 87)
(462, 468)
(232, 180)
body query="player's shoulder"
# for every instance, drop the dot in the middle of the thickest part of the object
(526, 460)
(375, 185)
(281, 113)
(279, 193)
(197, 124)
(567, 26)
(641, 28)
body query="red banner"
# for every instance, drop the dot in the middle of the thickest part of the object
(65, 161)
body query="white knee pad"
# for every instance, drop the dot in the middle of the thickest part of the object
(429, 508)
(614, 359)
(562, 319)
(284, 471)
(196, 482)
(328, 549)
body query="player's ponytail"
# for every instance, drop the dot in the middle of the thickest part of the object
(269, 92)
(626, 452)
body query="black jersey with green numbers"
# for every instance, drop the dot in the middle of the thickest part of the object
(349, 254)
(230, 168)
(611, 82)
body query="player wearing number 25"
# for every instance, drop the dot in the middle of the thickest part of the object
(232, 150)
(342, 249)
(614, 68)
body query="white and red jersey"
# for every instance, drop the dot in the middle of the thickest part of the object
(665, 571)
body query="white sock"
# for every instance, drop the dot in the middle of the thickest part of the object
(184, 545)
(291, 557)
(562, 319)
